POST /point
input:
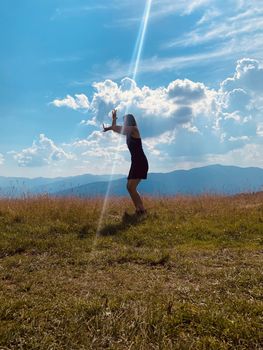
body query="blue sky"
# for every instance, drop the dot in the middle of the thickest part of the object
(65, 64)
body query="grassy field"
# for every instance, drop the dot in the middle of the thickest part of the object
(188, 276)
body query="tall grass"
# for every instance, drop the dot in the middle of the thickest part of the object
(187, 276)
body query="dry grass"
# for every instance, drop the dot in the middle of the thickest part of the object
(189, 276)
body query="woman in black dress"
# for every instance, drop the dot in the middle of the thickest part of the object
(139, 163)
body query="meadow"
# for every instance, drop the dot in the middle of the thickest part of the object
(186, 276)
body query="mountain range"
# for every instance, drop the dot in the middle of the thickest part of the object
(216, 178)
(22, 186)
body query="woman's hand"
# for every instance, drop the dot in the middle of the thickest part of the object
(114, 114)
(106, 128)
(114, 118)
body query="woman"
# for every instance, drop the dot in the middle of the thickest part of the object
(139, 163)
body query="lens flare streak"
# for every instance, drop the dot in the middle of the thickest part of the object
(140, 39)
(133, 71)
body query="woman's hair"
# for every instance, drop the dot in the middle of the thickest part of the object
(130, 120)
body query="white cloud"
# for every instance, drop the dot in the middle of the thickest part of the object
(248, 76)
(164, 8)
(101, 150)
(151, 142)
(240, 99)
(184, 122)
(222, 23)
(2, 159)
(235, 127)
(184, 118)
(260, 129)
(79, 102)
(91, 121)
(156, 64)
(225, 31)
(228, 51)
(237, 100)
(209, 14)
(248, 155)
(42, 152)
(243, 138)
(184, 91)
(156, 110)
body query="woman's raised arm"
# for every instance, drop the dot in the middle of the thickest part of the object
(124, 130)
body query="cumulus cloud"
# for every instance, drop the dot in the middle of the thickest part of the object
(248, 76)
(99, 151)
(182, 120)
(79, 102)
(156, 110)
(151, 143)
(185, 91)
(241, 99)
(235, 125)
(100, 144)
(42, 152)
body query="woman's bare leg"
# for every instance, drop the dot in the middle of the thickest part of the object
(135, 196)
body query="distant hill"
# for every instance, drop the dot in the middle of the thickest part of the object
(21, 186)
(209, 179)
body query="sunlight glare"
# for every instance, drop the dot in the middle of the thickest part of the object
(133, 71)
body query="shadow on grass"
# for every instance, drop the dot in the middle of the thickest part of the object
(85, 230)
(127, 221)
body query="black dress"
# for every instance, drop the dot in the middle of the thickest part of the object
(139, 162)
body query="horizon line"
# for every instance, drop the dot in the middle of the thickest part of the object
(125, 175)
